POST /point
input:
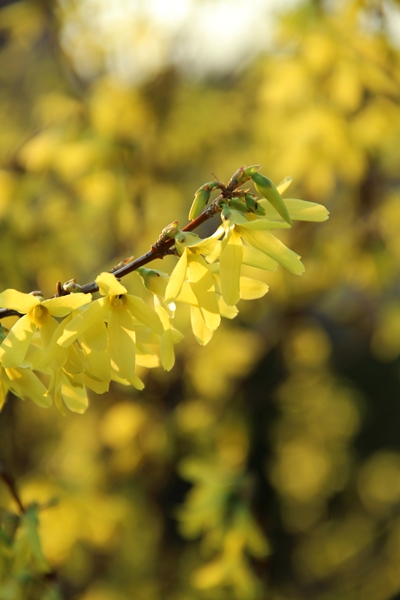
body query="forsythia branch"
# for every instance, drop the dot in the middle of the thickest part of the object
(67, 344)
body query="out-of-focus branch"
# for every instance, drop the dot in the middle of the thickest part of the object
(9, 481)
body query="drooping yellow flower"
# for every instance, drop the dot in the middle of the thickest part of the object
(123, 313)
(38, 315)
(24, 384)
(247, 238)
(69, 391)
(256, 232)
(193, 268)
(156, 282)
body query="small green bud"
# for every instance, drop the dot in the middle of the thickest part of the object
(249, 171)
(242, 175)
(167, 233)
(201, 198)
(122, 263)
(253, 205)
(267, 188)
(199, 203)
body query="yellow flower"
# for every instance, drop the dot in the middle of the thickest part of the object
(261, 248)
(124, 313)
(156, 282)
(38, 315)
(24, 384)
(191, 266)
(69, 391)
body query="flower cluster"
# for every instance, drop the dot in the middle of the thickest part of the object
(63, 346)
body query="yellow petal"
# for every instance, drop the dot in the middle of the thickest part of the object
(177, 278)
(34, 355)
(74, 396)
(15, 346)
(122, 343)
(209, 245)
(94, 384)
(53, 354)
(251, 289)
(62, 306)
(146, 315)
(283, 186)
(18, 301)
(144, 335)
(145, 357)
(27, 385)
(54, 390)
(200, 330)
(255, 258)
(96, 338)
(202, 284)
(263, 224)
(47, 329)
(271, 246)
(135, 381)
(300, 210)
(90, 316)
(187, 295)
(94, 344)
(177, 336)
(167, 353)
(76, 360)
(109, 285)
(229, 312)
(230, 265)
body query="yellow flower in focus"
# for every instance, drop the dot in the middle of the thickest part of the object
(191, 266)
(24, 384)
(123, 313)
(261, 248)
(38, 315)
(156, 282)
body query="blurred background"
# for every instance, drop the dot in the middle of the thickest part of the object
(267, 464)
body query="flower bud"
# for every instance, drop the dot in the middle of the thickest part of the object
(71, 287)
(249, 171)
(267, 188)
(168, 232)
(122, 263)
(253, 205)
(242, 175)
(199, 203)
(201, 198)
